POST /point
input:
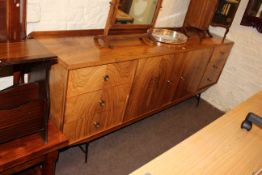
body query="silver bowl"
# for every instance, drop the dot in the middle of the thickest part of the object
(169, 36)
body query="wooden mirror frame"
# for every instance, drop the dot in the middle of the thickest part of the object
(252, 21)
(115, 31)
(110, 25)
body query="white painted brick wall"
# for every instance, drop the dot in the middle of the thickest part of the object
(242, 75)
(241, 78)
(46, 15)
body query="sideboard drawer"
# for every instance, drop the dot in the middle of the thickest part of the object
(84, 127)
(93, 112)
(215, 66)
(220, 55)
(85, 80)
(211, 76)
(95, 78)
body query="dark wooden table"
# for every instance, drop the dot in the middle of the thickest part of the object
(28, 151)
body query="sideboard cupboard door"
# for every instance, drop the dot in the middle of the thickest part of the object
(195, 64)
(154, 84)
(146, 82)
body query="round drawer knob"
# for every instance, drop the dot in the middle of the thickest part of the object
(106, 77)
(97, 124)
(102, 103)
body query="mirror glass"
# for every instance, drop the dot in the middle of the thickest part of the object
(136, 11)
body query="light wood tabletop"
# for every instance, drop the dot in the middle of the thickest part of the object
(221, 148)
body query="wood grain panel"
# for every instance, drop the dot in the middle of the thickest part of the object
(154, 84)
(220, 148)
(171, 70)
(85, 80)
(81, 52)
(200, 13)
(145, 84)
(94, 78)
(85, 115)
(221, 54)
(193, 71)
(58, 88)
(120, 73)
(117, 106)
(215, 66)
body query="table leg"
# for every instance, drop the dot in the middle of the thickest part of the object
(49, 164)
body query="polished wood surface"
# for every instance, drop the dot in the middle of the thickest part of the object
(90, 113)
(200, 13)
(58, 89)
(12, 20)
(23, 52)
(87, 54)
(96, 98)
(22, 111)
(154, 85)
(215, 66)
(22, 153)
(94, 78)
(97, 94)
(193, 70)
(220, 148)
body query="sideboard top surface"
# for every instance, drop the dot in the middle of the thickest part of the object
(80, 52)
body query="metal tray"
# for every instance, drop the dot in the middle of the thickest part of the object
(169, 36)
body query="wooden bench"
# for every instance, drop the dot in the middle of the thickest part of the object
(31, 150)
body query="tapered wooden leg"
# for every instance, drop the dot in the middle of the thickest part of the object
(50, 162)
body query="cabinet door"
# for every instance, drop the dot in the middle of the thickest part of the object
(154, 84)
(195, 64)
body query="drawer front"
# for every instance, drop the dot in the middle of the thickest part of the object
(83, 105)
(85, 80)
(215, 66)
(85, 114)
(211, 75)
(95, 78)
(220, 55)
(84, 127)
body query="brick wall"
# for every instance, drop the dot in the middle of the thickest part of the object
(90, 14)
(242, 75)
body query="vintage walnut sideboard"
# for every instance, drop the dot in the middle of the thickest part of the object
(95, 91)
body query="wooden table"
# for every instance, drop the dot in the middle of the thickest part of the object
(28, 151)
(221, 148)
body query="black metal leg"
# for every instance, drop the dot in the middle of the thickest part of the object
(198, 97)
(85, 150)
